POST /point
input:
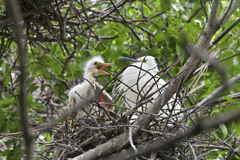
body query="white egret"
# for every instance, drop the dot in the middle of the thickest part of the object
(86, 91)
(140, 82)
(89, 88)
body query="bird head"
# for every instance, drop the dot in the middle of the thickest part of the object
(149, 61)
(95, 65)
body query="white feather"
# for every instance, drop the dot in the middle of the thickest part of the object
(84, 92)
(138, 83)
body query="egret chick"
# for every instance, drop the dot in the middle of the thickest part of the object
(140, 83)
(86, 91)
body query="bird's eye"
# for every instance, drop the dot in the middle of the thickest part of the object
(144, 60)
(95, 63)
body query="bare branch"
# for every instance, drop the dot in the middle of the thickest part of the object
(201, 126)
(205, 11)
(227, 13)
(22, 42)
(127, 23)
(225, 32)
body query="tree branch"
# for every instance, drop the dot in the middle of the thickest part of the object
(202, 125)
(22, 42)
(213, 15)
(227, 13)
(219, 90)
(127, 23)
(225, 32)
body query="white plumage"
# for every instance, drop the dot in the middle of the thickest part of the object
(86, 91)
(138, 84)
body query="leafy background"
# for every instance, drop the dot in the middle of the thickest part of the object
(55, 58)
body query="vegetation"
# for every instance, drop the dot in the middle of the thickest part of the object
(44, 45)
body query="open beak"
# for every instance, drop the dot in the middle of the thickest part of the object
(130, 59)
(103, 65)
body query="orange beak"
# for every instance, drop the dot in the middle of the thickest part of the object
(103, 65)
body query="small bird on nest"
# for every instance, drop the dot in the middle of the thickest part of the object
(89, 89)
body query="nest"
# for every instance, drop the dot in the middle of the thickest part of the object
(78, 135)
(86, 132)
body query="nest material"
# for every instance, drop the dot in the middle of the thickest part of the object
(81, 135)
(85, 133)
(96, 128)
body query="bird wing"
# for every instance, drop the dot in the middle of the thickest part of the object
(139, 86)
(81, 93)
(135, 84)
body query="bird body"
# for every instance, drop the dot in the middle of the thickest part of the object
(145, 80)
(82, 93)
(140, 82)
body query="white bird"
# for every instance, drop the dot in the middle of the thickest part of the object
(139, 82)
(89, 88)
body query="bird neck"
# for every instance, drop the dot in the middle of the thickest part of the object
(154, 70)
(89, 78)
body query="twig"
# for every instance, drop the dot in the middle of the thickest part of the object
(225, 32)
(195, 157)
(194, 14)
(127, 23)
(205, 11)
(131, 141)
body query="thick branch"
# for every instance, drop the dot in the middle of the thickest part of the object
(227, 13)
(213, 15)
(11, 20)
(225, 31)
(219, 90)
(201, 126)
(21, 42)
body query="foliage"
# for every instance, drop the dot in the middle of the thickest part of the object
(62, 35)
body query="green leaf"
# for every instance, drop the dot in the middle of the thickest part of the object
(5, 103)
(44, 72)
(190, 31)
(48, 137)
(238, 3)
(5, 153)
(165, 4)
(32, 88)
(158, 38)
(172, 44)
(173, 32)
(15, 154)
(6, 74)
(100, 47)
(230, 99)
(224, 130)
(59, 89)
(214, 112)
